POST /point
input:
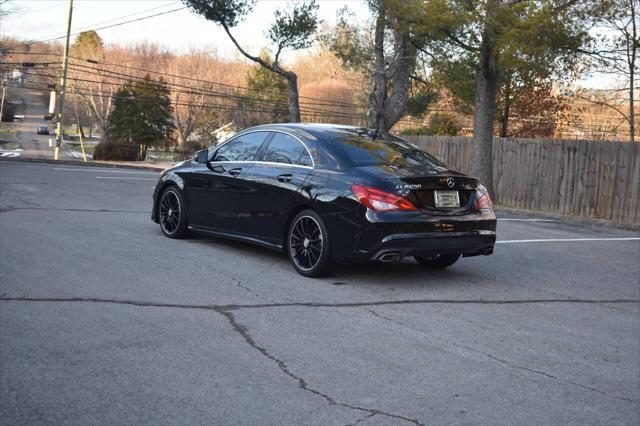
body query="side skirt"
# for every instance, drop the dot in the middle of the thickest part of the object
(238, 237)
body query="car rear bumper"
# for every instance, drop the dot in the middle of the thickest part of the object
(389, 238)
(472, 243)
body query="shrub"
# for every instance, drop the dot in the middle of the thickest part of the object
(439, 125)
(116, 151)
(443, 125)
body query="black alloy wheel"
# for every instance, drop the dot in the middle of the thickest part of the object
(173, 218)
(308, 245)
(437, 261)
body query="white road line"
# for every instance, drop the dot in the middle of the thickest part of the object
(101, 170)
(524, 220)
(567, 240)
(122, 177)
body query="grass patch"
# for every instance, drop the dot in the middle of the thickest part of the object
(9, 145)
(7, 133)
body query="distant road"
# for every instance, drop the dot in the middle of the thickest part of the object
(34, 145)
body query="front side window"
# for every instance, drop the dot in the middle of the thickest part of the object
(242, 148)
(288, 150)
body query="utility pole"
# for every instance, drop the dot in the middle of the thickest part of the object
(63, 87)
(4, 91)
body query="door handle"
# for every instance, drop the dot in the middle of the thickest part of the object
(235, 172)
(285, 177)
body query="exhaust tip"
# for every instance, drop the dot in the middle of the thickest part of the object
(488, 251)
(389, 257)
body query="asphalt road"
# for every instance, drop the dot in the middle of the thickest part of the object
(32, 144)
(105, 321)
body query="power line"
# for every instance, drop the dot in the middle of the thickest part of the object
(201, 90)
(304, 110)
(100, 22)
(182, 77)
(304, 107)
(110, 26)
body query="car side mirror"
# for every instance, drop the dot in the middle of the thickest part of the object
(202, 156)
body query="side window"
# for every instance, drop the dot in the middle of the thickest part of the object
(242, 148)
(287, 149)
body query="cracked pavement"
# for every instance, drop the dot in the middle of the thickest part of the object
(105, 321)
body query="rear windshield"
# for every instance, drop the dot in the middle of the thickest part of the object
(365, 150)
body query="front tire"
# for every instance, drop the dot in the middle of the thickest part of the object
(172, 213)
(308, 245)
(438, 261)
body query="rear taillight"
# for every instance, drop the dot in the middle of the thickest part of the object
(381, 201)
(483, 201)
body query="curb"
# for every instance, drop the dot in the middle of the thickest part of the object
(144, 166)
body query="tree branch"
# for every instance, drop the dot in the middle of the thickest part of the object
(273, 67)
(602, 103)
(460, 43)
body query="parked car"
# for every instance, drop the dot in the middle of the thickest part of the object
(328, 194)
(42, 130)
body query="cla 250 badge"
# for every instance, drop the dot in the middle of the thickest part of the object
(409, 186)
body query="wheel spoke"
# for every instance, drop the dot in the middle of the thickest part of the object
(312, 256)
(315, 249)
(170, 212)
(306, 231)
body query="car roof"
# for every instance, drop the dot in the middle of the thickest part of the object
(310, 132)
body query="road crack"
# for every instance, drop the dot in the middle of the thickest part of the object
(227, 311)
(362, 419)
(503, 361)
(247, 289)
(302, 383)
(233, 307)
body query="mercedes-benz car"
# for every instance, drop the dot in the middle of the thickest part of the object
(326, 195)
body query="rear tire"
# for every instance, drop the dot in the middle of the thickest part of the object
(172, 213)
(308, 245)
(438, 261)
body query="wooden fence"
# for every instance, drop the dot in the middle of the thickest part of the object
(587, 179)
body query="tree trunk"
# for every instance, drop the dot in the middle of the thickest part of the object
(400, 75)
(294, 103)
(632, 127)
(504, 118)
(485, 105)
(633, 46)
(378, 92)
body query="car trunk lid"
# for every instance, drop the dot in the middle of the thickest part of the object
(434, 190)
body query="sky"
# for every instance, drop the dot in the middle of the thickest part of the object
(179, 31)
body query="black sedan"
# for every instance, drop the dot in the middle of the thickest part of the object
(328, 194)
(42, 130)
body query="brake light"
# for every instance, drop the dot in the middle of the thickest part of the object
(381, 201)
(483, 200)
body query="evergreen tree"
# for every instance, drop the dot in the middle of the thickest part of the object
(267, 97)
(142, 115)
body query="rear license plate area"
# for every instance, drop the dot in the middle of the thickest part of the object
(446, 199)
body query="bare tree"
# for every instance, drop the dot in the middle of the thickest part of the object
(619, 55)
(192, 106)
